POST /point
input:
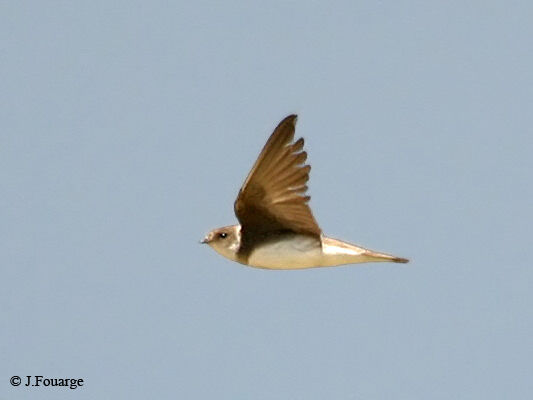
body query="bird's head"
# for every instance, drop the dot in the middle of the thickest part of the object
(225, 240)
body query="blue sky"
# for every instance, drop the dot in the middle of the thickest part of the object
(128, 128)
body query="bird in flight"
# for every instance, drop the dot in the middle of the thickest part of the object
(277, 229)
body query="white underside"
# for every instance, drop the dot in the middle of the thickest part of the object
(304, 252)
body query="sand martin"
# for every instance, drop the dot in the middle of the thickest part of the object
(277, 229)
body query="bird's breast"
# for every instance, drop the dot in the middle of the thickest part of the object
(290, 252)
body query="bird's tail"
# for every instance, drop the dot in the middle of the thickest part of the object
(337, 252)
(376, 257)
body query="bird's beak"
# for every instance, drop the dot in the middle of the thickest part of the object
(203, 241)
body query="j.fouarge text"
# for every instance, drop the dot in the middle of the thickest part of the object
(38, 380)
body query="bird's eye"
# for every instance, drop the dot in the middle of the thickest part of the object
(222, 235)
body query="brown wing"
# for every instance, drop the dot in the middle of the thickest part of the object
(273, 197)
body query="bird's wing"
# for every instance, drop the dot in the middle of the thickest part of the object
(273, 197)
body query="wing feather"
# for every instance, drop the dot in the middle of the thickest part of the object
(273, 197)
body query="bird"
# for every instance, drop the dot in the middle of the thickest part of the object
(277, 229)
